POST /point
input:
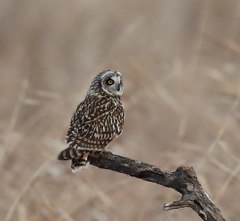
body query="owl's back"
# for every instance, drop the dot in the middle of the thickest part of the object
(96, 121)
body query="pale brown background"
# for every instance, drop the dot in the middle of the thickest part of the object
(181, 70)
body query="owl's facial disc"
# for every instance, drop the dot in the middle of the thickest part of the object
(112, 83)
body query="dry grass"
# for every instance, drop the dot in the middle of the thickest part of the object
(180, 63)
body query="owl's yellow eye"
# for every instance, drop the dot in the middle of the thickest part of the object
(110, 82)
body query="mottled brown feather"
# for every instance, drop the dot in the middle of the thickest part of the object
(95, 123)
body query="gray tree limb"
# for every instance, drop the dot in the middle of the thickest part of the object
(183, 180)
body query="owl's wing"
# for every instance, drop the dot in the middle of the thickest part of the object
(95, 123)
(118, 117)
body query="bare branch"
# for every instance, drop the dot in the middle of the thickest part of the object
(183, 180)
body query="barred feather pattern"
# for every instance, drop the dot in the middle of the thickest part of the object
(96, 122)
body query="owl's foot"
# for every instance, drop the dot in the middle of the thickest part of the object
(106, 151)
(99, 153)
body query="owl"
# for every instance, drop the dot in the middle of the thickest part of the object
(97, 120)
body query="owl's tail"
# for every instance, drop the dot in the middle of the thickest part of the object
(79, 158)
(68, 154)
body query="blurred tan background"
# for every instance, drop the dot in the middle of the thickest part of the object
(181, 72)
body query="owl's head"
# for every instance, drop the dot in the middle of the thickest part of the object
(109, 82)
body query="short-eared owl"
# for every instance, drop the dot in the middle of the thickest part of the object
(97, 120)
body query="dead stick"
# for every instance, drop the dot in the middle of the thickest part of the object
(183, 180)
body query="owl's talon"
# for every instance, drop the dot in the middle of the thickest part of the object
(106, 151)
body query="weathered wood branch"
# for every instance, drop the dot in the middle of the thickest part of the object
(183, 180)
